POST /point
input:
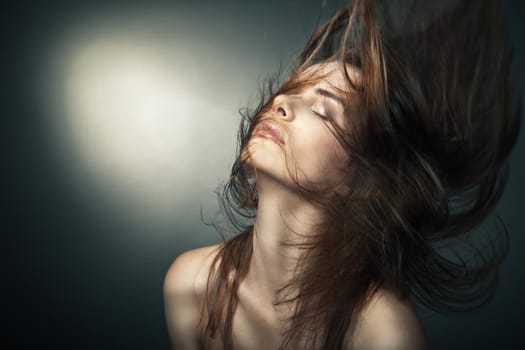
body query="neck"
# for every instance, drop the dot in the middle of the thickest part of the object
(280, 213)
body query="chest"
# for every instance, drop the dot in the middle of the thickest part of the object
(259, 326)
(253, 329)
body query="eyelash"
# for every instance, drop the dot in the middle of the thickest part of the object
(325, 117)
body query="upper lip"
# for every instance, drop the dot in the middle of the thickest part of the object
(272, 129)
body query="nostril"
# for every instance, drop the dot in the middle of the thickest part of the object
(282, 111)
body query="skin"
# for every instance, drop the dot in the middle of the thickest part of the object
(387, 323)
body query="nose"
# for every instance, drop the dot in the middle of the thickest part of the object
(282, 107)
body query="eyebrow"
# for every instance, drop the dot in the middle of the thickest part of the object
(329, 94)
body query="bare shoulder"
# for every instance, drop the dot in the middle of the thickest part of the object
(190, 270)
(184, 288)
(389, 323)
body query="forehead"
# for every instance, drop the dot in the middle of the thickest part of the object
(332, 74)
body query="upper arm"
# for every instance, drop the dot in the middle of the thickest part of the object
(181, 301)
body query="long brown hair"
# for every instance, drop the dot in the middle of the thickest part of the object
(428, 162)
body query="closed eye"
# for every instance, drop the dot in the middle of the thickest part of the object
(322, 116)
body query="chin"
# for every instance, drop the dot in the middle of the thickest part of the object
(264, 156)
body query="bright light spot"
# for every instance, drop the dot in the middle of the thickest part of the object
(146, 111)
(126, 111)
(139, 127)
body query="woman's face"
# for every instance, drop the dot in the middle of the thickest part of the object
(296, 129)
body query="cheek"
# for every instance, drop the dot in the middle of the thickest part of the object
(322, 159)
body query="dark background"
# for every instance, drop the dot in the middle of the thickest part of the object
(81, 274)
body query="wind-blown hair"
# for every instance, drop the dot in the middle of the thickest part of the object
(428, 162)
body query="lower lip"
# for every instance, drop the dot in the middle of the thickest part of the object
(268, 135)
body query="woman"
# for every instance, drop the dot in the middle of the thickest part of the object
(388, 138)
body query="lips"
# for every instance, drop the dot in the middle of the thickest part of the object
(271, 131)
